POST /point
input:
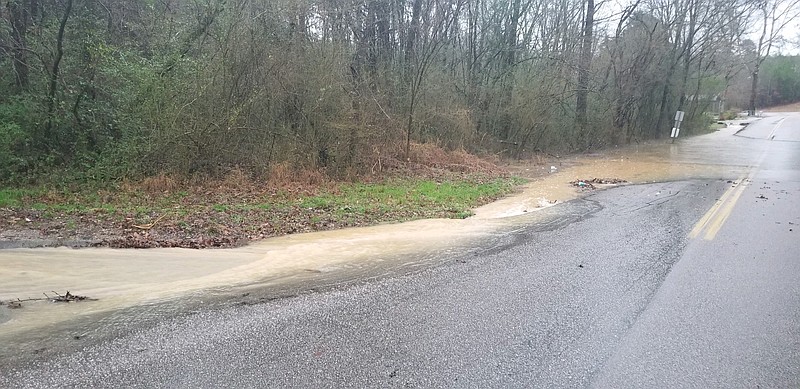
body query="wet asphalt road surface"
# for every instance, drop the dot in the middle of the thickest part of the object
(547, 309)
(728, 314)
(678, 284)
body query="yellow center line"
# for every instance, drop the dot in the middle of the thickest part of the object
(713, 220)
(722, 216)
(771, 135)
(712, 213)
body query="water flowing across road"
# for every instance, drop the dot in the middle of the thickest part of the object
(135, 287)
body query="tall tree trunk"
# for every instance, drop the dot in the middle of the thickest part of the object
(19, 16)
(760, 57)
(509, 58)
(411, 38)
(383, 46)
(473, 81)
(753, 89)
(675, 57)
(412, 69)
(663, 108)
(583, 75)
(687, 56)
(52, 89)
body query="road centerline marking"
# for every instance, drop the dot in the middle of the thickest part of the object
(716, 216)
(771, 135)
(716, 224)
(712, 212)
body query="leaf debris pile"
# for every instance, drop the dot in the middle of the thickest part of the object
(592, 184)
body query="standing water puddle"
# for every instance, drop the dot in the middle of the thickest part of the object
(139, 285)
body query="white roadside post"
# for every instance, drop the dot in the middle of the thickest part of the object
(676, 129)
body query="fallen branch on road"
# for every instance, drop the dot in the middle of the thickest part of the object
(66, 298)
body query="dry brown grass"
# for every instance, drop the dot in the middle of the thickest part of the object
(458, 161)
(426, 160)
(281, 173)
(794, 107)
(284, 175)
(161, 183)
(236, 179)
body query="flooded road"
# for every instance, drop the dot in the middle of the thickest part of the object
(135, 287)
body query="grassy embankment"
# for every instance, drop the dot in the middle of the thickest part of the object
(231, 212)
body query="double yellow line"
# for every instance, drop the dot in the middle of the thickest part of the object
(713, 220)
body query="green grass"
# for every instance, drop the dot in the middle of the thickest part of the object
(346, 204)
(453, 198)
(14, 197)
(317, 202)
(107, 208)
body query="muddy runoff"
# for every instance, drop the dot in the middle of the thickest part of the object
(133, 288)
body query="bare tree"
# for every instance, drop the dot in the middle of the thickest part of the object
(201, 86)
(584, 66)
(19, 15)
(441, 14)
(774, 16)
(54, 71)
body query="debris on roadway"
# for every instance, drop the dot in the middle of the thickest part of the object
(591, 184)
(58, 298)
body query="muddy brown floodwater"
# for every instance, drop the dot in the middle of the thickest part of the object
(132, 286)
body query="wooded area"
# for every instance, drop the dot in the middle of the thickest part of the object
(106, 89)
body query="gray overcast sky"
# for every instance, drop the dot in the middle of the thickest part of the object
(791, 33)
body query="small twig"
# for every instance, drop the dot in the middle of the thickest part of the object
(19, 300)
(67, 298)
(149, 226)
(381, 108)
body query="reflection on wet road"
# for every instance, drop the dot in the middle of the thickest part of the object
(139, 286)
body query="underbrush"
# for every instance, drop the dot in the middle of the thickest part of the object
(170, 211)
